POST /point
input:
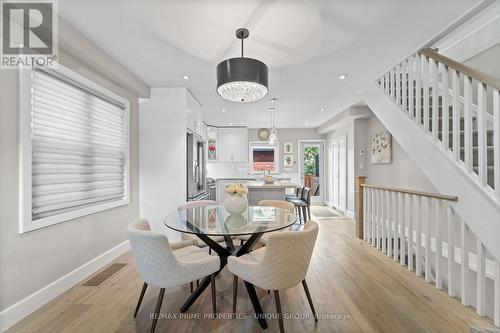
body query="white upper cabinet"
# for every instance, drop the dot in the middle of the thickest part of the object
(194, 115)
(232, 145)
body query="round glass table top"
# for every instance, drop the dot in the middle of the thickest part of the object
(215, 220)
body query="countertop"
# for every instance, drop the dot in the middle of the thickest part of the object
(262, 185)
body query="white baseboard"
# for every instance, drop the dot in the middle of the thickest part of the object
(20, 310)
(350, 214)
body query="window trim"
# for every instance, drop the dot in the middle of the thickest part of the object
(260, 144)
(26, 223)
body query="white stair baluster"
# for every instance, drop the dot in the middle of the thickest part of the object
(402, 258)
(392, 82)
(387, 82)
(411, 214)
(394, 215)
(411, 87)
(481, 278)
(389, 224)
(365, 212)
(496, 141)
(468, 122)
(464, 264)
(445, 107)
(439, 244)
(382, 221)
(425, 87)
(427, 264)
(398, 85)
(481, 132)
(418, 88)
(418, 241)
(373, 206)
(377, 214)
(451, 251)
(404, 82)
(435, 90)
(496, 295)
(456, 114)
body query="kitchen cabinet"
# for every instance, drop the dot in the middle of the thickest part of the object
(194, 115)
(232, 144)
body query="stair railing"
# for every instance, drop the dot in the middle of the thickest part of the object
(457, 105)
(421, 231)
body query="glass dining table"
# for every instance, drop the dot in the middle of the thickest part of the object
(214, 220)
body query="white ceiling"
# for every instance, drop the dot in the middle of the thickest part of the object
(306, 44)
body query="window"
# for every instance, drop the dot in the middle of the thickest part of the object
(264, 157)
(74, 148)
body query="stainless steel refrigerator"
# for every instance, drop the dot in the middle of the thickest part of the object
(196, 167)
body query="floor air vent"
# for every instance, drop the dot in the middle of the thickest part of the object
(105, 274)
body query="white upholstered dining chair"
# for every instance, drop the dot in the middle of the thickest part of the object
(194, 204)
(281, 264)
(272, 203)
(163, 265)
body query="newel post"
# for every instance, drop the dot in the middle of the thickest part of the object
(359, 206)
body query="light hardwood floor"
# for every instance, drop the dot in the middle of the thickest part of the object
(360, 289)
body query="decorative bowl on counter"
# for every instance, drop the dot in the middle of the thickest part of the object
(269, 179)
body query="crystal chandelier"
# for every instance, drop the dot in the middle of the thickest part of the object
(273, 135)
(242, 79)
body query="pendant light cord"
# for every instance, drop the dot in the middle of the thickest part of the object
(242, 47)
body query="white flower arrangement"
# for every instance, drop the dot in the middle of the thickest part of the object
(239, 189)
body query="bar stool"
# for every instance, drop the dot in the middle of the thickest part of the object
(303, 205)
(296, 196)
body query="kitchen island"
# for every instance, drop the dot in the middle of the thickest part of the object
(259, 190)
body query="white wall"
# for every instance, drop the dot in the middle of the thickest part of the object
(162, 155)
(31, 261)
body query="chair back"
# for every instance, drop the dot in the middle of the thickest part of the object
(155, 258)
(306, 195)
(298, 191)
(287, 256)
(277, 203)
(194, 204)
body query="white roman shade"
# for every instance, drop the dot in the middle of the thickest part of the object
(79, 148)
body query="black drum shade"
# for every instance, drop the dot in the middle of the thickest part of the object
(242, 79)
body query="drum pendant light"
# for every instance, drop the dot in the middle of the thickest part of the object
(242, 79)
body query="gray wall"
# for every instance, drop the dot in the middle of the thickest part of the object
(30, 261)
(402, 172)
(487, 61)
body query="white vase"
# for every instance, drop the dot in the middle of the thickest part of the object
(236, 203)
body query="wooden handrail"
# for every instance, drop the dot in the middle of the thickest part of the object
(407, 191)
(478, 75)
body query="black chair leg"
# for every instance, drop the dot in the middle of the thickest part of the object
(304, 213)
(235, 292)
(210, 250)
(309, 299)
(278, 310)
(191, 285)
(309, 211)
(157, 310)
(143, 291)
(214, 302)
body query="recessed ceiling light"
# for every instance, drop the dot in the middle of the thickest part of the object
(343, 76)
(323, 109)
(231, 124)
(223, 110)
(307, 123)
(186, 77)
